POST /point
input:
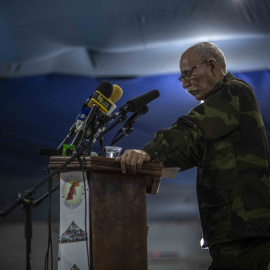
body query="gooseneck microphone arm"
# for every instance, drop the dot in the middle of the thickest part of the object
(125, 133)
(126, 129)
(68, 137)
(88, 123)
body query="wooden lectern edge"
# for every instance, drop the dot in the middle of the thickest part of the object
(152, 171)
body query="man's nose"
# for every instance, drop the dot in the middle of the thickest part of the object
(185, 83)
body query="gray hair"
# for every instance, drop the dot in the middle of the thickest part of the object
(206, 50)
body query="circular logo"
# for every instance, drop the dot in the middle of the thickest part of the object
(73, 191)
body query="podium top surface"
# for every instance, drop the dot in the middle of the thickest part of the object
(153, 169)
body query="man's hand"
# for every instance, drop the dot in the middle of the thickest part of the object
(132, 160)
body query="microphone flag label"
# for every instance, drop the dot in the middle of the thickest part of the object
(104, 103)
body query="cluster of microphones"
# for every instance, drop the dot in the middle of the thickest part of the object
(97, 112)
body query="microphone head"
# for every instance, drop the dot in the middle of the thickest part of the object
(116, 94)
(101, 97)
(105, 88)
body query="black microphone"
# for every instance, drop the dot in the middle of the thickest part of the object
(131, 120)
(50, 152)
(136, 103)
(99, 101)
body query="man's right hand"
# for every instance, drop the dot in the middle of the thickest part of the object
(132, 160)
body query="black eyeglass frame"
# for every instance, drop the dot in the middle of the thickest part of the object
(187, 73)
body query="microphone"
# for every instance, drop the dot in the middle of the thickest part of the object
(76, 127)
(99, 101)
(104, 118)
(86, 102)
(131, 120)
(71, 133)
(116, 95)
(85, 110)
(127, 127)
(81, 118)
(107, 94)
(136, 103)
(50, 152)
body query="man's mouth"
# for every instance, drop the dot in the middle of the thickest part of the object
(192, 90)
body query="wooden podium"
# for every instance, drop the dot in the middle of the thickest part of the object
(118, 224)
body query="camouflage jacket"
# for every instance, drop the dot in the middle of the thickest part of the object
(224, 137)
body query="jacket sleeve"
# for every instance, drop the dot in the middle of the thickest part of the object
(210, 120)
(184, 159)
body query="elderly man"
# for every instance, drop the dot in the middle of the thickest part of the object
(224, 137)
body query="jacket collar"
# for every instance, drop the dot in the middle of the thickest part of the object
(228, 77)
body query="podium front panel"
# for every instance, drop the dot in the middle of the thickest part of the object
(118, 221)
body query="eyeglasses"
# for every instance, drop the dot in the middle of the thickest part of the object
(187, 73)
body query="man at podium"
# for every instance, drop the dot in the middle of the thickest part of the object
(224, 137)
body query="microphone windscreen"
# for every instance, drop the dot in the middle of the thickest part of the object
(101, 97)
(105, 88)
(116, 94)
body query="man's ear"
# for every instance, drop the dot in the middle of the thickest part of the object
(212, 63)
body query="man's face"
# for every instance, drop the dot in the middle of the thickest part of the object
(201, 82)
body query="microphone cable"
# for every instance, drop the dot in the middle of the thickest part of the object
(86, 205)
(49, 253)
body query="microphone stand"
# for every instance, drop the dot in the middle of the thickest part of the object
(102, 133)
(69, 136)
(42, 198)
(101, 144)
(28, 203)
(127, 128)
(125, 133)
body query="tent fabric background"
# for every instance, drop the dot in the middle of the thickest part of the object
(128, 38)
